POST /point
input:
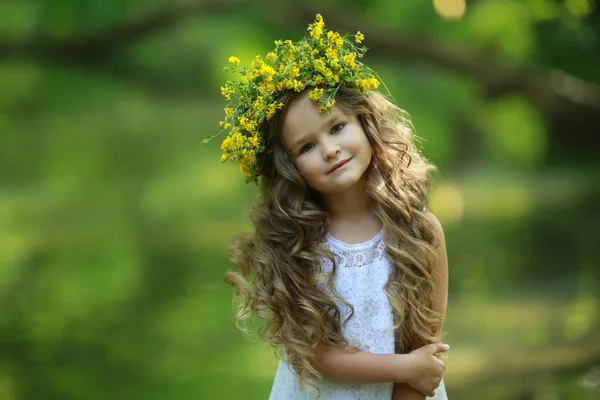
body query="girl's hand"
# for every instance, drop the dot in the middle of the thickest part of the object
(426, 369)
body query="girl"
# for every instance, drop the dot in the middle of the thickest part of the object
(349, 269)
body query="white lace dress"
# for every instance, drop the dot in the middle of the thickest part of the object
(363, 270)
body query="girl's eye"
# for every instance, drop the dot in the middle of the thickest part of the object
(306, 148)
(337, 127)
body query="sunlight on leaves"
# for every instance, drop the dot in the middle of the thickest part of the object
(514, 130)
(19, 82)
(465, 363)
(580, 8)
(191, 189)
(78, 283)
(543, 9)
(219, 233)
(475, 285)
(503, 24)
(261, 361)
(447, 203)
(539, 335)
(497, 199)
(450, 9)
(398, 13)
(8, 391)
(18, 19)
(16, 242)
(580, 317)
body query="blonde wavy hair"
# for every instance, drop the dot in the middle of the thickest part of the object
(278, 265)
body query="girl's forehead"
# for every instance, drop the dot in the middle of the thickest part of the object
(303, 118)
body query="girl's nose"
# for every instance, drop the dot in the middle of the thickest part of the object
(330, 149)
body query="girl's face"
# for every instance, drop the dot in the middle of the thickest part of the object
(320, 143)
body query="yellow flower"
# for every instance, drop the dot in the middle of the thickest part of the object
(359, 37)
(259, 106)
(298, 85)
(271, 56)
(226, 145)
(319, 65)
(271, 110)
(374, 83)
(335, 38)
(368, 84)
(294, 72)
(316, 29)
(267, 88)
(227, 91)
(267, 71)
(315, 94)
(334, 62)
(251, 126)
(331, 52)
(234, 60)
(290, 45)
(349, 60)
(254, 140)
(238, 140)
(327, 107)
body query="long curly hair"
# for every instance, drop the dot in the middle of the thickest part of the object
(277, 266)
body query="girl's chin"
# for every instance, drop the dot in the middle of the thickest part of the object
(339, 184)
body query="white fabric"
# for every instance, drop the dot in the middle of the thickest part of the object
(362, 271)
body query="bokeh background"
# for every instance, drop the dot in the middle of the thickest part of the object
(115, 218)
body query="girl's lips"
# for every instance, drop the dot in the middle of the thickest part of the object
(340, 164)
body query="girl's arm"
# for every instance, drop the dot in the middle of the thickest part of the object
(420, 369)
(403, 391)
(342, 364)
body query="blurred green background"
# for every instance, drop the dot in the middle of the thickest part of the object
(115, 218)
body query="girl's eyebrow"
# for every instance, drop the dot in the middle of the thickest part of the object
(327, 122)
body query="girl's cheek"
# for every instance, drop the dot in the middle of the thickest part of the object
(302, 167)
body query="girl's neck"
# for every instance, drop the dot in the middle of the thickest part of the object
(353, 206)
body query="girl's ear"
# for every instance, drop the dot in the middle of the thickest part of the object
(296, 168)
(292, 161)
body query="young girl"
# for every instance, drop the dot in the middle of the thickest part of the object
(346, 267)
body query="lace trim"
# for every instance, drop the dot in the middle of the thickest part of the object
(357, 255)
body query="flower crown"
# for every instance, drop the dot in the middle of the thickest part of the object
(324, 62)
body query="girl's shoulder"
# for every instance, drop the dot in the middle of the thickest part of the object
(437, 225)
